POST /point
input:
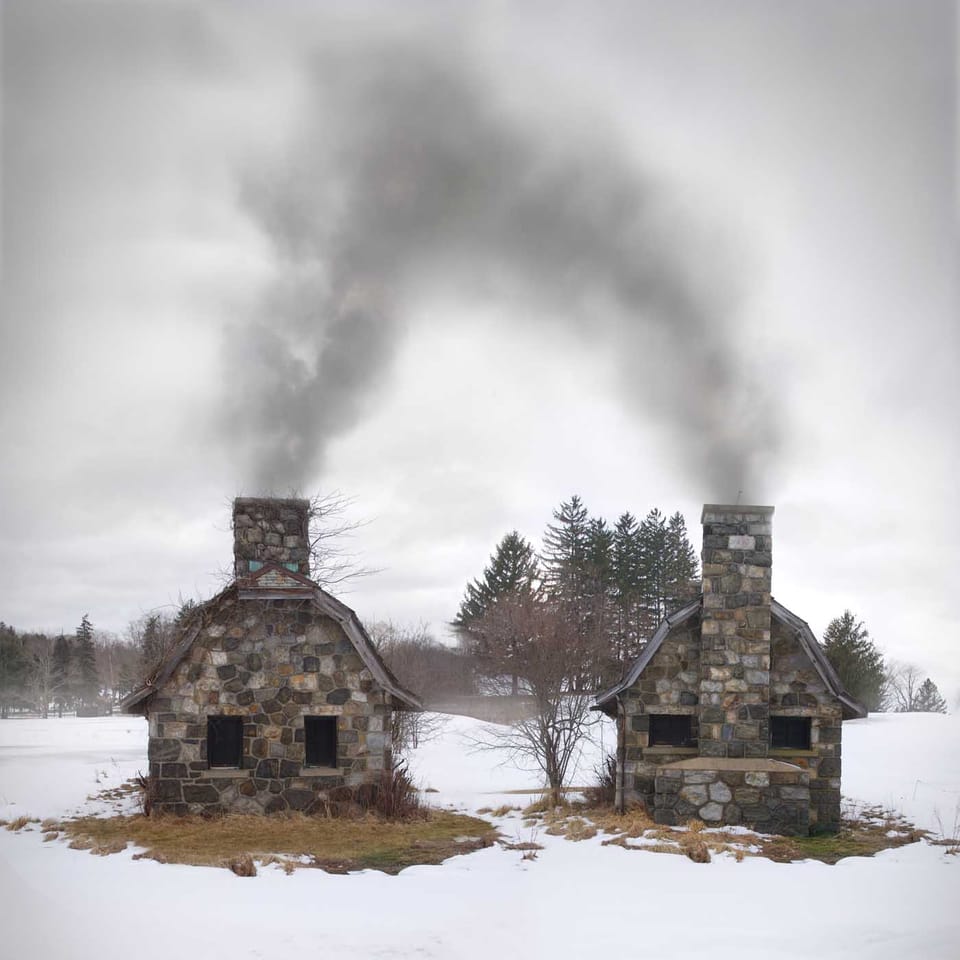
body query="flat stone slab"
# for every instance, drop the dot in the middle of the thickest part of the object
(744, 764)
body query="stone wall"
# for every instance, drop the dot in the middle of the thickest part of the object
(267, 529)
(797, 690)
(271, 662)
(765, 795)
(669, 685)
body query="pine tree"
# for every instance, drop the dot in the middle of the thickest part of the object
(653, 569)
(88, 677)
(13, 668)
(680, 564)
(859, 664)
(565, 546)
(928, 699)
(569, 580)
(512, 569)
(512, 576)
(62, 674)
(599, 607)
(626, 564)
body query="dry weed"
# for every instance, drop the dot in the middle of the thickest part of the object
(243, 865)
(20, 823)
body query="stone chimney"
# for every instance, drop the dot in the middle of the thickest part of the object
(267, 529)
(735, 631)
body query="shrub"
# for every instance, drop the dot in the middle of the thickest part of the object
(604, 791)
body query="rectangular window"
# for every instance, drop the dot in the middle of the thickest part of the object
(224, 741)
(320, 734)
(668, 730)
(790, 733)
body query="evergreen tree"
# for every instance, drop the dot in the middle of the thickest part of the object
(599, 603)
(572, 547)
(511, 576)
(859, 664)
(653, 569)
(62, 674)
(13, 668)
(512, 569)
(680, 564)
(87, 676)
(626, 570)
(566, 543)
(928, 699)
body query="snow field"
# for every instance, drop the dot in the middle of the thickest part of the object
(574, 899)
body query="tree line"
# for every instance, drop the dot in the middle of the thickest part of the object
(88, 670)
(610, 586)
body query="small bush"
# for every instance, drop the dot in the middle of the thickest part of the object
(604, 791)
(243, 865)
(392, 796)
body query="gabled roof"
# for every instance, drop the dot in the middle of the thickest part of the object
(274, 582)
(852, 708)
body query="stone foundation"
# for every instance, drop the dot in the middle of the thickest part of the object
(765, 795)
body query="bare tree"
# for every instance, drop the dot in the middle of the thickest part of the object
(44, 683)
(903, 681)
(332, 564)
(425, 667)
(530, 638)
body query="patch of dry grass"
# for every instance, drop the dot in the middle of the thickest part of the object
(19, 823)
(334, 845)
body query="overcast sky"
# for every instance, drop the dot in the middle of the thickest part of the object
(461, 261)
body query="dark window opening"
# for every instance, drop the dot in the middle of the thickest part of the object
(224, 741)
(667, 730)
(790, 733)
(321, 741)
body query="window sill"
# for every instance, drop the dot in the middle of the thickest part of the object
(662, 751)
(321, 772)
(226, 773)
(788, 752)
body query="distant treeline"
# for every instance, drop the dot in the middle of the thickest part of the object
(87, 670)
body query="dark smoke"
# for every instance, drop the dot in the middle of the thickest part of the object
(408, 175)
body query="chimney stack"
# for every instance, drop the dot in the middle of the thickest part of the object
(735, 631)
(270, 530)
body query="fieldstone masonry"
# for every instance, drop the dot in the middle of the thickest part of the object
(271, 530)
(271, 663)
(765, 794)
(735, 631)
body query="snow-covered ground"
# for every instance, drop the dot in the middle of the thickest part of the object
(574, 900)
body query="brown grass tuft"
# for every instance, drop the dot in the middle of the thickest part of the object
(20, 823)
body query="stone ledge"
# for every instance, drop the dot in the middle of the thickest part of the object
(744, 764)
(794, 753)
(320, 772)
(664, 751)
(225, 773)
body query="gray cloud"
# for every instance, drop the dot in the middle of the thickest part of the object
(408, 174)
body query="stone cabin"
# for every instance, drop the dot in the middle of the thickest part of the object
(732, 714)
(273, 693)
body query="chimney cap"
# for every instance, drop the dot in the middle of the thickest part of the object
(712, 512)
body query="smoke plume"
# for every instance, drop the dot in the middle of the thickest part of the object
(408, 173)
